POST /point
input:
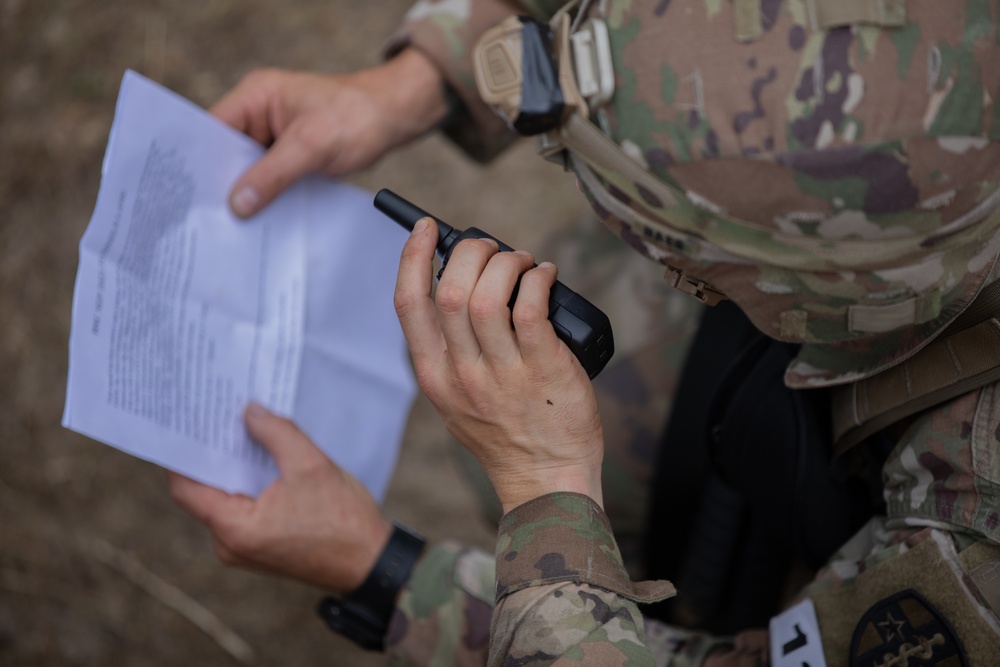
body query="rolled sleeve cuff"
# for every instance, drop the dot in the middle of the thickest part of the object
(565, 537)
(447, 37)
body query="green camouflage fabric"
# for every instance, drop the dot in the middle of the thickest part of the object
(555, 605)
(443, 615)
(654, 326)
(445, 31)
(588, 552)
(843, 194)
(574, 617)
(942, 481)
(946, 472)
(943, 477)
(841, 185)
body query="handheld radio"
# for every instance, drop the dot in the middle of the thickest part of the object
(584, 328)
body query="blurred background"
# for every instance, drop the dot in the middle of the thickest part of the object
(92, 550)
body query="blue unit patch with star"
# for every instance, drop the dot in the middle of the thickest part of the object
(905, 630)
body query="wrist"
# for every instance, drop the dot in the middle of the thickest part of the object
(413, 92)
(367, 556)
(515, 490)
(364, 615)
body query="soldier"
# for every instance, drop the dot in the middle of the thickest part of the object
(833, 168)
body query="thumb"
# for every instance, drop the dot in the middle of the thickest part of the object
(286, 161)
(204, 502)
(291, 448)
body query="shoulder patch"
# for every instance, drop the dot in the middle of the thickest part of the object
(905, 629)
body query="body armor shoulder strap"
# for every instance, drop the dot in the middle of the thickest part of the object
(965, 357)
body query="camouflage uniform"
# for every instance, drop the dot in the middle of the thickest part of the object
(834, 168)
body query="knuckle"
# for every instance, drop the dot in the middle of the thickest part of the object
(427, 385)
(412, 254)
(475, 400)
(237, 542)
(259, 76)
(285, 425)
(177, 493)
(528, 315)
(484, 307)
(313, 470)
(451, 298)
(427, 377)
(411, 250)
(310, 135)
(225, 556)
(513, 261)
(476, 247)
(403, 302)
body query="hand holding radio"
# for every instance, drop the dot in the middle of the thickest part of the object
(584, 328)
(502, 381)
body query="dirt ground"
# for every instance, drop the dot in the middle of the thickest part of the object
(97, 567)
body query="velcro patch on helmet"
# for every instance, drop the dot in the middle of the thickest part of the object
(905, 629)
(826, 14)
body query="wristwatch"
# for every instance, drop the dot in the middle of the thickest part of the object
(363, 615)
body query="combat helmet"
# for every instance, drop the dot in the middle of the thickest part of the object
(832, 169)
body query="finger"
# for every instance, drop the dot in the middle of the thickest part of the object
(224, 554)
(203, 502)
(292, 450)
(227, 556)
(465, 266)
(246, 107)
(535, 336)
(290, 158)
(488, 310)
(412, 299)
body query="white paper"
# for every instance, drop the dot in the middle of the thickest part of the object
(182, 314)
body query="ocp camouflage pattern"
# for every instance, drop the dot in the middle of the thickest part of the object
(654, 326)
(850, 174)
(840, 184)
(443, 615)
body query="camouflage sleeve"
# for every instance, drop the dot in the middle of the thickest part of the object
(446, 32)
(443, 617)
(562, 590)
(443, 614)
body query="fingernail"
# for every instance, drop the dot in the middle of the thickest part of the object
(257, 411)
(421, 226)
(546, 265)
(245, 201)
(522, 253)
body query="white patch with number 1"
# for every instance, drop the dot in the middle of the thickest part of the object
(795, 640)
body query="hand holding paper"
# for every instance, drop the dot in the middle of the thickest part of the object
(183, 314)
(333, 124)
(316, 523)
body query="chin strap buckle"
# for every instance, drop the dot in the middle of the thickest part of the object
(699, 289)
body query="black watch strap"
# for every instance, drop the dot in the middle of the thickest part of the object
(363, 615)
